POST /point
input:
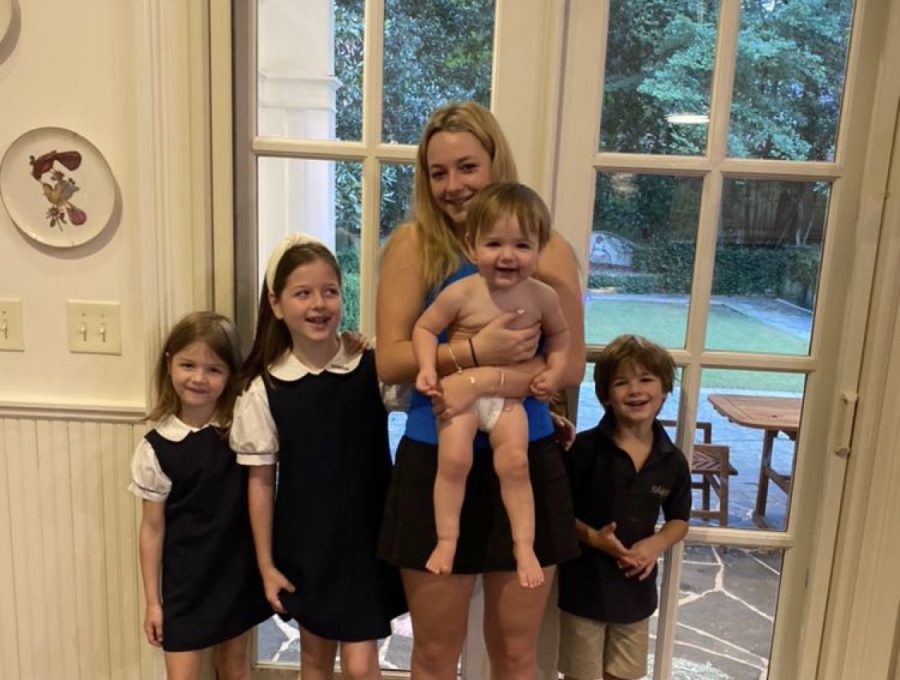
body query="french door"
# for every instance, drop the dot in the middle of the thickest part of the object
(703, 158)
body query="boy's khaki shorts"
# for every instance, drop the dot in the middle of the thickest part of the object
(588, 648)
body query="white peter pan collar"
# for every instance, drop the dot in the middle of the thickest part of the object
(289, 368)
(175, 430)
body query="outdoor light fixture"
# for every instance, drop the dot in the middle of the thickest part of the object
(687, 118)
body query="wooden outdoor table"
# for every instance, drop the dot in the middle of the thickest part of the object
(772, 415)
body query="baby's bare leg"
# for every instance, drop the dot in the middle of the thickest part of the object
(454, 461)
(509, 439)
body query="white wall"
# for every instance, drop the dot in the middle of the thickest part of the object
(130, 76)
(72, 65)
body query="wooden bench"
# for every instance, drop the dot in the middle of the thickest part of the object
(710, 461)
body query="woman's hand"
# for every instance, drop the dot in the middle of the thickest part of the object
(458, 391)
(499, 345)
(563, 430)
(273, 583)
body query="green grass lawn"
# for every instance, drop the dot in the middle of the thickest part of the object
(666, 323)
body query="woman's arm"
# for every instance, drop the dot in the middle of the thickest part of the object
(558, 268)
(150, 542)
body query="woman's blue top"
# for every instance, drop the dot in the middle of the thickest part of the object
(420, 424)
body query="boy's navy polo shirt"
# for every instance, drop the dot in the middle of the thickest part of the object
(606, 488)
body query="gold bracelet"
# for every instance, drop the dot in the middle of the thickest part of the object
(453, 356)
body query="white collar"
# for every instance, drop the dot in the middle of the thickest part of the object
(289, 368)
(175, 430)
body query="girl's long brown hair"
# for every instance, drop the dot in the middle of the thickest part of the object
(272, 338)
(219, 334)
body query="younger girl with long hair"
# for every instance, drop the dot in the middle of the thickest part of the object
(314, 407)
(195, 530)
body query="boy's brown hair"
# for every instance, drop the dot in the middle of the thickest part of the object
(500, 200)
(636, 351)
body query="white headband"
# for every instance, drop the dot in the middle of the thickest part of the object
(278, 252)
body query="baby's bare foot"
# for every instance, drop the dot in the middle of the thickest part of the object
(528, 568)
(441, 559)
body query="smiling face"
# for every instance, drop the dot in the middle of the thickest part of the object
(199, 377)
(310, 303)
(505, 254)
(635, 395)
(458, 168)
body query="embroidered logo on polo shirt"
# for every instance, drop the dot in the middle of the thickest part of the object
(658, 490)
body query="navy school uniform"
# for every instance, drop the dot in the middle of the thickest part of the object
(327, 430)
(607, 488)
(211, 588)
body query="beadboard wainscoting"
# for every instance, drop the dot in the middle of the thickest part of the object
(70, 592)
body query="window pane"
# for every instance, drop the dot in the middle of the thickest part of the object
(314, 92)
(726, 612)
(767, 266)
(396, 196)
(434, 52)
(756, 416)
(659, 61)
(641, 257)
(789, 78)
(321, 198)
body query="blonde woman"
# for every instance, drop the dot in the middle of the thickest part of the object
(463, 150)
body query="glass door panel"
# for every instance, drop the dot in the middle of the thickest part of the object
(659, 67)
(755, 416)
(767, 265)
(434, 52)
(726, 612)
(789, 79)
(641, 257)
(313, 93)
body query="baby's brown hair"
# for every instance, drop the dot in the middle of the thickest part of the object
(497, 201)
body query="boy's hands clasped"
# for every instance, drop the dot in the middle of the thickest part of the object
(637, 561)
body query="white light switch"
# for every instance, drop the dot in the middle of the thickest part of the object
(94, 327)
(11, 326)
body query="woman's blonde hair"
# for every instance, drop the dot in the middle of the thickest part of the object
(440, 245)
(218, 333)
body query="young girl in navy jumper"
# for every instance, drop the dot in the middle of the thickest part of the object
(195, 530)
(314, 407)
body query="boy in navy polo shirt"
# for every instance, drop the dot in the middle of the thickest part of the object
(622, 472)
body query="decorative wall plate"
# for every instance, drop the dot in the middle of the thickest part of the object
(57, 187)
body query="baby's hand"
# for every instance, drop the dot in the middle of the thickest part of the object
(427, 383)
(563, 429)
(273, 583)
(153, 628)
(545, 384)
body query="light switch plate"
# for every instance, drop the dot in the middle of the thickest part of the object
(93, 327)
(11, 339)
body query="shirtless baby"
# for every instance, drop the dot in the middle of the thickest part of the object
(506, 227)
